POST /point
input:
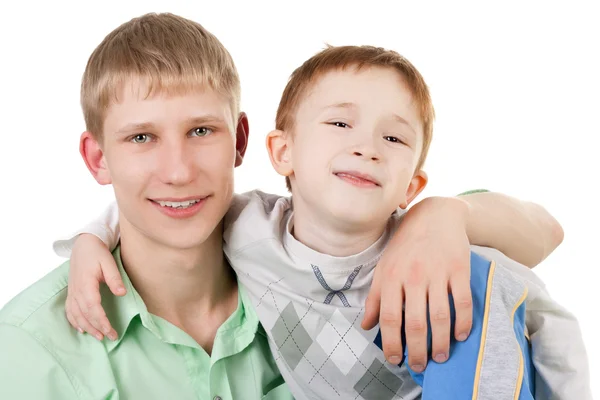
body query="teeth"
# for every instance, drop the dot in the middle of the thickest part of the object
(178, 204)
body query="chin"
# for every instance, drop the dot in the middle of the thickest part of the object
(352, 215)
(183, 243)
(185, 237)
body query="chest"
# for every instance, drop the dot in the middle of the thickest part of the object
(148, 368)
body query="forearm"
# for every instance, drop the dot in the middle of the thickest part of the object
(524, 231)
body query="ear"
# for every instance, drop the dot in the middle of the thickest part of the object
(416, 186)
(278, 147)
(241, 138)
(93, 156)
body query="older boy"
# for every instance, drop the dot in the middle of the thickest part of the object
(188, 332)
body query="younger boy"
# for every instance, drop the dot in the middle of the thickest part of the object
(353, 129)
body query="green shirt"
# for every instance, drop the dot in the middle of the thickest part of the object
(43, 357)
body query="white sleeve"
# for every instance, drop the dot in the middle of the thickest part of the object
(557, 348)
(105, 227)
(558, 351)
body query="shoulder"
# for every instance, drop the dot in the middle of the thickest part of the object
(36, 341)
(515, 268)
(255, 216)
(42, 297)
(38, 313)
(260, 203)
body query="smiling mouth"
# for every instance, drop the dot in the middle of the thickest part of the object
(178, 204)
(357, 179)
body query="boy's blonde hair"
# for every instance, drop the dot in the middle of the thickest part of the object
(168, 52)
(342, 57)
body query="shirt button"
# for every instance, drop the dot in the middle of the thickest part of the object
(217, 398)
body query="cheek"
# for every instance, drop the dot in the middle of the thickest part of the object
(401, 173)
(314, 152)
(217, 162)
(128, 170)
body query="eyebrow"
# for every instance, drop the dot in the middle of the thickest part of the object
(340, 105)
(145, 126)
(350, 105)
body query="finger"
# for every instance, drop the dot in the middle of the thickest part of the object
(416, 326)
(82, 322)
(100, 321)
(460, 287)
(71, 318)
(112, 276)
(390, 318)
(439, 316)
(373, 302)
(93, 311)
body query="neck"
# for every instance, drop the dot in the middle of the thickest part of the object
(326, 235)
(180, 285)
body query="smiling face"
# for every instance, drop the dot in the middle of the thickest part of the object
(170, 159)
(355, 144)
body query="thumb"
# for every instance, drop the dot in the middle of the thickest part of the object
(112, 276)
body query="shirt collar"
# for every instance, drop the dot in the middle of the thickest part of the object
(233, 336)
(120, 310)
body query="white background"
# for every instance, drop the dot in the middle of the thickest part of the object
(516, 88)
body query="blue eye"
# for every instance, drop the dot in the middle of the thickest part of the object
(141, 138)
(201, 131)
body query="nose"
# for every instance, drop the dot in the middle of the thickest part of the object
(367, 154)
(176, 166)
(367, 149)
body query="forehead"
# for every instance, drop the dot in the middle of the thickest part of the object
(137, 98)
(376, 89)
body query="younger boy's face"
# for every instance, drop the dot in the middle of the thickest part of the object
(355, 146)
(170, 160)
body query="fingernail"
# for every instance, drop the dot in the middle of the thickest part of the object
(462, 337)
(441, 357)
(112, 336)
(394, 360)
(417, 368)
(99, 336)
(80, 330)
(120, 290)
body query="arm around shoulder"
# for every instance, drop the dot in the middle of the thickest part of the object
(523, 230)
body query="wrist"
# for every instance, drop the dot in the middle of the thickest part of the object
(88, 239)
(452, 211)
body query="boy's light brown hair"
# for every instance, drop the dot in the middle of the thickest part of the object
(170, 53)
(342, 57)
